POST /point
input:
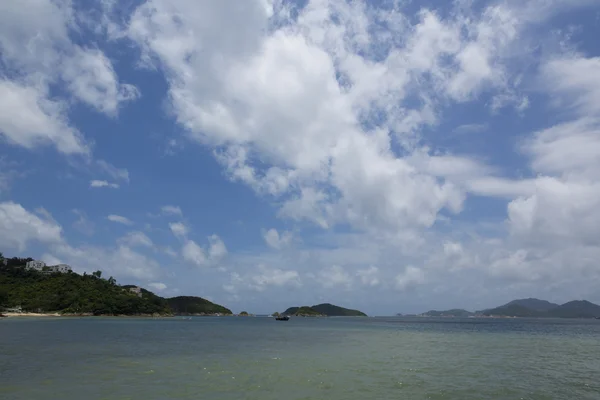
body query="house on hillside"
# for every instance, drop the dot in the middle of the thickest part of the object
(35, 265)
(62, 268)
(40, 266)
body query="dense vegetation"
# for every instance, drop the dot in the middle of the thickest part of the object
(304, 311)
(190, 305)
(73, 293)
(335, 311)
(325, 309)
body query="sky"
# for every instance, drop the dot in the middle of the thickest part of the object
(392, 156)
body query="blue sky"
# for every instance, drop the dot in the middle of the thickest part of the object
(388, 156)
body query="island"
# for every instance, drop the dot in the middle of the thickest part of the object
(323, 310)
(544, 309)
(192, 305)
(455, 312)
(28, 286)
(527, 308)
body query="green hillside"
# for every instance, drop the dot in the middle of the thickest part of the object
(325, 309)
(304, 311)
(191, 305)
(335, 311)
(73, 293)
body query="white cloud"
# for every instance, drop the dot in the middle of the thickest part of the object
(120, 262)
(19, 227)
(34, 40)
(29, 118)
(277, 241)
(179, 229)
(119, 219)
(369, 276)
(136, 238)
(217, 249)
(99, 184)
(573, 78)
(410, 278)
(157, 286)
(334, 276)
(193, 253)
(119, 174)
(91, 78)
(267, 276)
(471, 128)
(171, 210)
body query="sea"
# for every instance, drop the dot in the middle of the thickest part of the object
(212, 358)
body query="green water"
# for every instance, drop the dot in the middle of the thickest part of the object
(259, 358)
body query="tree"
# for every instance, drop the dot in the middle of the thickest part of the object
(244, 314)
(112, 281)
(97, 274)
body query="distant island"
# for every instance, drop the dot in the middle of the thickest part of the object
(456, 312)
(29, 286)
(544, 309)
(533, 308)
(191, 305)
(323, 310)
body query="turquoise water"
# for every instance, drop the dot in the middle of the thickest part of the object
(333, 358)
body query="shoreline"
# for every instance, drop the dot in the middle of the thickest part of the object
(59, 315)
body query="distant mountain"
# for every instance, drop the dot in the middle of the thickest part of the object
(325, 309)
(335, 311)
(533, 304)
(448, 313)
(513, 310)
(545, 309)
(304, 311)
(576, 309)
(192, 305)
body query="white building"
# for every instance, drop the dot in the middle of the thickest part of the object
(62, 268)
(35, 265)
(41, 267)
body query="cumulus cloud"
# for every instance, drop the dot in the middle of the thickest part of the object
(35, 40)
(157, 286)
(119, 219)
(136, 238)
(334, 276)
(194, 253)
(171, 210)
(179, 229)
(100, 184)
(276, 240)
(120, 261)
(369, 276)
(410, 278)
(19, 227)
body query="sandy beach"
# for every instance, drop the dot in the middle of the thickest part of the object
(26, 314)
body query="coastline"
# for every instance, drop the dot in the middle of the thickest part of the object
(26, 314)
(56, 314)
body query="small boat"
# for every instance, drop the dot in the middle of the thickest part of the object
(282, 318)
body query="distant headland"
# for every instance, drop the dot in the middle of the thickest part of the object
(533, 308)
(29, 287)
(323, 310)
